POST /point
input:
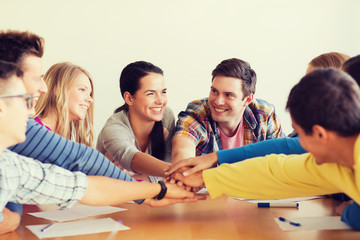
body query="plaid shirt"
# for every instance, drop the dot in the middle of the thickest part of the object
(25, 180)
(195, 123)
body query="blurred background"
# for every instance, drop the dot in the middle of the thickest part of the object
(187, 39)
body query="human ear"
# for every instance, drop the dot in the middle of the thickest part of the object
(248, 99)
(128, 98)
(320, 133)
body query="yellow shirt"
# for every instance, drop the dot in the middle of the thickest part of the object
(283, 176)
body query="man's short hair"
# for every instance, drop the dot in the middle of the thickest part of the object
(329, 98)
(7, 70)
(240, 69)
(15, 45)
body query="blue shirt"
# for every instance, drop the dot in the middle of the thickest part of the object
(259, 149)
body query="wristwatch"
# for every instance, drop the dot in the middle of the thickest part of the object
(163, 191)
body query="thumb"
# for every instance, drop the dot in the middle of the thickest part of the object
(191, 171)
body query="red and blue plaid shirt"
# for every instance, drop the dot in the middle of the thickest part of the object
(195, 123)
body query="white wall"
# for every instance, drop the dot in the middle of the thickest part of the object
(187, 39)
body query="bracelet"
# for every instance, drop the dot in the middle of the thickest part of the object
(163, 191)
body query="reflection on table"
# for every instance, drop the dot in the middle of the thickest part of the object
(222, 218)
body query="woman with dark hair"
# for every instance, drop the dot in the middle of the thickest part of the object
(138, 135)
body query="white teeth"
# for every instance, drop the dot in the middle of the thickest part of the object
(156, 109)
(220, 109)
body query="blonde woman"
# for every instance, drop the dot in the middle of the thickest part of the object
(67, 107)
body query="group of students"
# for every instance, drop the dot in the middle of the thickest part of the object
(58, 173)
(141, 137)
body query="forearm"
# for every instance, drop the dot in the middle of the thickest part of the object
(107, 191)
(182, 148)
(180, 154)
(259, 149)
(147, 164)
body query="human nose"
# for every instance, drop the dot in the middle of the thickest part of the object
(89, 99)
(219, 100)
(43, 87)
(161, 99)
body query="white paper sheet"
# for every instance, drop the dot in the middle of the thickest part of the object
(313, 223)
(76, 212)
(285, 200)
(77, 228)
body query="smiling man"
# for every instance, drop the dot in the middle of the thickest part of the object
(230, 117)
(325, 112)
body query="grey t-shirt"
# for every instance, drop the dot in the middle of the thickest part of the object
(117, 138)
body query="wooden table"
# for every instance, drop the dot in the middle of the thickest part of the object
(222, 218)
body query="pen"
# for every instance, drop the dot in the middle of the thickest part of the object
(290, 222)
(46, 227)
(266, 205)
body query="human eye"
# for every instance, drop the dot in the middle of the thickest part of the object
(164, 91)
(228, 95)
(213, 91)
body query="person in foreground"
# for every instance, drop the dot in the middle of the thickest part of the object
(325, 112)
(25, 180)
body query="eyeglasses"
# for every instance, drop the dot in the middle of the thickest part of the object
(28, 98)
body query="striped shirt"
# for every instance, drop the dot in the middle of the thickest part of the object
(25, 180)
(259, 119)
(49, 147)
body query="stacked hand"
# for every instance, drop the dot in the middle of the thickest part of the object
(194, 164)
(188, 171)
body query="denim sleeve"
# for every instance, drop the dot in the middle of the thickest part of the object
(351, 216)
(15, 207)
(259, 149)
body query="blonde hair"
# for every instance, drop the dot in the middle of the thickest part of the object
(58, 79)
(331, 59)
